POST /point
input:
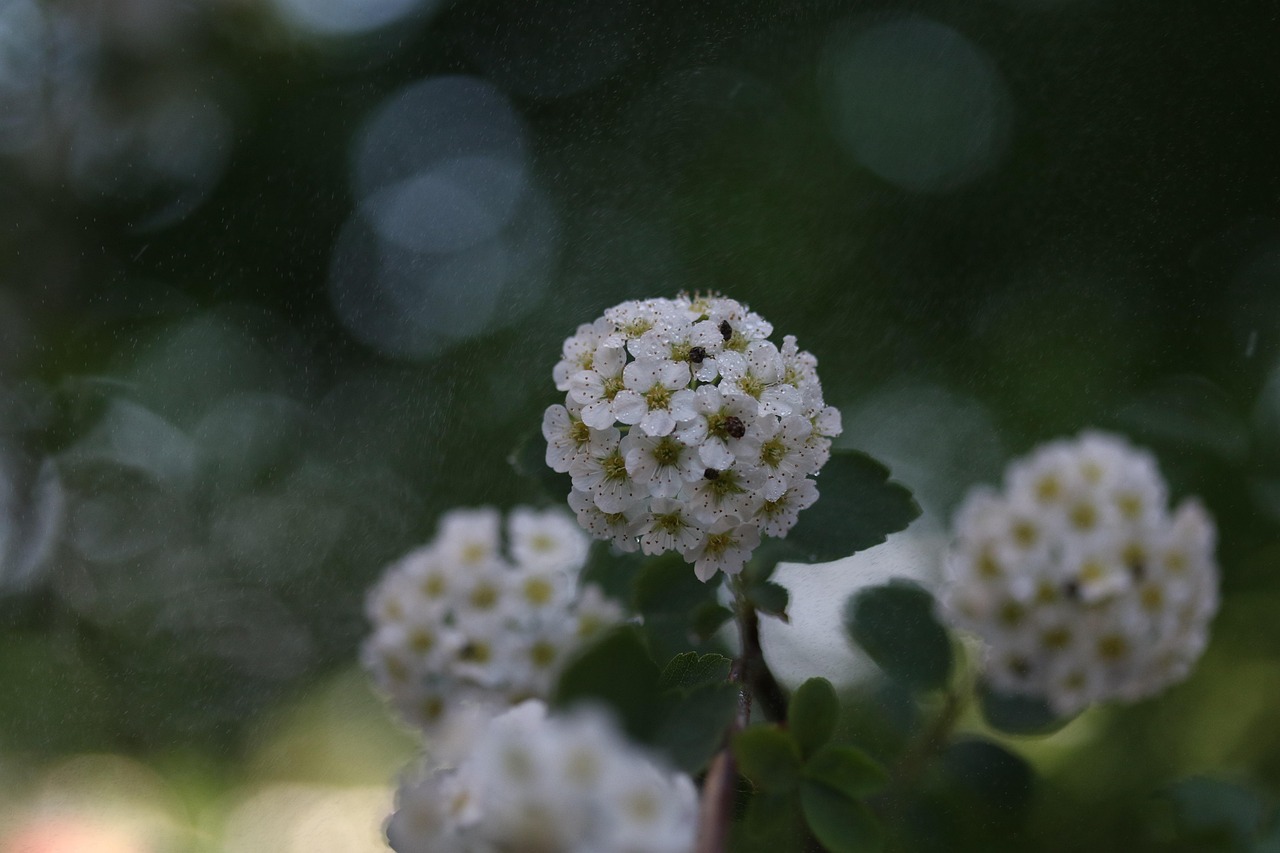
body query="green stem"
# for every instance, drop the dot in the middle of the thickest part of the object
(755, 683)
(926, 746)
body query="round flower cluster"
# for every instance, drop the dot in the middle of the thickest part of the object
(526, 781)
(685, 429)
(456, 621)
(1081, 583)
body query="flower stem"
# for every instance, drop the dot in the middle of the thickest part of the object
(755, 682)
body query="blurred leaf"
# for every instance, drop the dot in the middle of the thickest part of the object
(846, 769)
(669, 596)
(812, 714)
(1018, 715)
(613, 572)
(859, 506)
(694, 725)
(709, 618)
(841, 823)
(896, 626)
(690, 670)
(1216, 812)
(769, 597)
(1188, 413)
(529, 460)
(769, 757)
(618, 672)
(990, 772)
(773, 823)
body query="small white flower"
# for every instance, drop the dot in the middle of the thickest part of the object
(737, 491)
(655, 396)
(780, 513)
(721, 427)
(670, 526)
(663, 465)
(724, 547)
(603, 474)
(620, 528)
(567, 436)
(595, 389)
(546, 540)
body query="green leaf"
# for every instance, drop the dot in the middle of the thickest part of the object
(993, 775)
(1018, 715)
(695, 723)
(769, 757)
(689, 670)
(529, 460)
(846, 769)
(616, 671)
(841, 823)
(858, 507)
(668, 594)
(1216, 811)
(812, 714)
(708, 618)
(769, 597)
(772, 823)
(896, 626)
(613, 572)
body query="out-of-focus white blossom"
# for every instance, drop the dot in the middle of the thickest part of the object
(685, 429)
(545, 784)
(457, 621)
(1080, 581)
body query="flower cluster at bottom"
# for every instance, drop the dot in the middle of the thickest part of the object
(1081, 583)
(456, 621)
(540, 784)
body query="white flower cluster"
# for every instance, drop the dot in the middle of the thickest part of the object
(456, 622)
(537, 784)
(1081, 583)
(685, 429)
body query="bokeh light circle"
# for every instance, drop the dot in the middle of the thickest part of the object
(916, 103)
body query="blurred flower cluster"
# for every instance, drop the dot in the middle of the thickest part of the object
(554, 784)
(457, 621)
(1078, 579)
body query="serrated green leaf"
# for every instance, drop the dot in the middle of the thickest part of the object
(769, 597)
(812, 714)
(896, 626)
(858, 507)
(1018, 715)
(616, 671)
(529, 459)
(690, 669)
(841, 823)
(694, 725)
(769, 757)
(847, 769)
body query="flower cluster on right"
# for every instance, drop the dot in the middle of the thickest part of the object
(1081, 583)
(526, 781)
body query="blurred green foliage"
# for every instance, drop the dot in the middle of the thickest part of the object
(235, 467)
